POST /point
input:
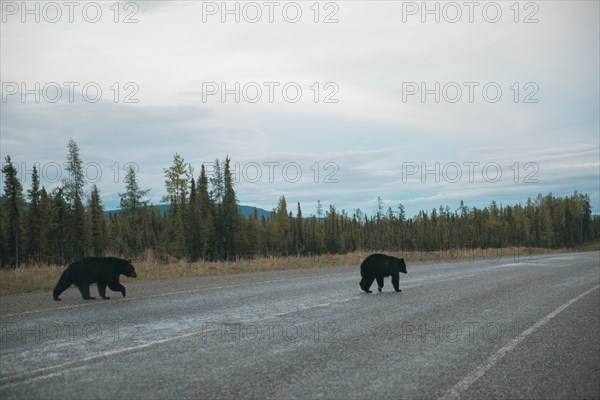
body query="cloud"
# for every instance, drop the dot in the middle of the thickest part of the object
(365, 140)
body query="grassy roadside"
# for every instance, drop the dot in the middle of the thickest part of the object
(35, 278)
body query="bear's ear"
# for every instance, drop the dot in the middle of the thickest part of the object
(129, 261)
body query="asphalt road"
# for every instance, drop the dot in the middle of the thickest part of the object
(507, 328)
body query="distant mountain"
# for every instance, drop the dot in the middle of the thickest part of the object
(164, 208)
(249, 210)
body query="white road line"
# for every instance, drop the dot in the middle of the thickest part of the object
(483, 269)
(165, 294)
(451, 394)
(280, 314)
(456, 391)
(94, 357)
(428, 277)
(103, 355)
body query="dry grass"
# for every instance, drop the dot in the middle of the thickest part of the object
(33, 278)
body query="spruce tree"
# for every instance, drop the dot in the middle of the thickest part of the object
(133, 207)
(73, 186)
(282, 232)
(217, 183)
(46, 212)
(299, 232)
(96, 223)
(176, 183)
(132, 200)
(205, 216)
(12, 222)
(229, 214)
(35, 221)
(75, 182)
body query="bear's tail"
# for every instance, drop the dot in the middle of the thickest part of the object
(63, 283)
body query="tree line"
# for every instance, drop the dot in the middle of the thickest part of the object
(203, 222)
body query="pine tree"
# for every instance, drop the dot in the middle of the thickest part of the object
(205, 216)
(96, 223)
(379, 208)
(46, 212)
(12, 216)
(281, 228)
(193, 223)
(56, 231)
(299, 232)
(74, 184)
(35, 221)
(132, 200)
(74, 194)
(76, 231)
(217, 183)
(253, 235)
(177, 178)
(319, 210)
(229, 213)
(133, 210)
(332, 231)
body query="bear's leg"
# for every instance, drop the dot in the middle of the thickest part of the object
(61, 286)
(366, 283)
(379, 283)
(396, 282)
(117, 287)
(102, 290)
(84, 288)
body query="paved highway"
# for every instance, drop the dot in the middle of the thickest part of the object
(504, 328)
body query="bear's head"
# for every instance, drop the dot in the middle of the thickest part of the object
(129, 270)
(401, 265)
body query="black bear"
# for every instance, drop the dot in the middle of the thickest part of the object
(102, 270)
(378, 266)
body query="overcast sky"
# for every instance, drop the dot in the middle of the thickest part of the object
(340, 102)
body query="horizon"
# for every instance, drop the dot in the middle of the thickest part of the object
(341, 102)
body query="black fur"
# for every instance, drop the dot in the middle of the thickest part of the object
(100, 270)
(378, 266)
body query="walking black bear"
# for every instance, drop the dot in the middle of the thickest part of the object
(101, 270)
(378, 266)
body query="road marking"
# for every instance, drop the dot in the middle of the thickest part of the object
(421, 265)
(452, 276)
(280, 314)
(94, 357)
(103, 355)
(456, 391)
(165, 294)
(451, 394)
(483, 269)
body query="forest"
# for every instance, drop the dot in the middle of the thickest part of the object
(203, 222)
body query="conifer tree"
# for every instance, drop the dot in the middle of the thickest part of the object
(229, 214)
(35, 222)
(281, 228)
(12, 222)
(134, 208)
(299, 232)
(75, 229)
(132, 200)
(75, 182)
(46, 212)
(176, 182)
(217, 183)
(96, 223)
(205, 216)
